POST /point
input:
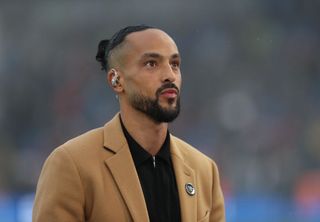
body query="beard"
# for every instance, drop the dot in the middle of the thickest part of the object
(153, 109)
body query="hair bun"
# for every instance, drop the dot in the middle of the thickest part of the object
(100, 57)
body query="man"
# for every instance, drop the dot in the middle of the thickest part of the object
(132, 169)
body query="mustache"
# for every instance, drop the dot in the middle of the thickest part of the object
(167, 86)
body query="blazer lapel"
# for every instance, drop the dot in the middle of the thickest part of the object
(184, 174)
(123, 170)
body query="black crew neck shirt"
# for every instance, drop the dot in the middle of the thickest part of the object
(157, 180)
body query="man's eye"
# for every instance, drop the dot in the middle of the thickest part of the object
(175, 64)
(151, 63)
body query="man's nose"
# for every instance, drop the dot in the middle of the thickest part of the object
(168, 74)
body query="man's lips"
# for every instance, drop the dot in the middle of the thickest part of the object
(170, 93)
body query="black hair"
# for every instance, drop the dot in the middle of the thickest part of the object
(107, 45)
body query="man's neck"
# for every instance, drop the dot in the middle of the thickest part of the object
(148, 133)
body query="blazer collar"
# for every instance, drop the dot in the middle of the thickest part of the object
(184, 174)
(114, 139)
(123, 170)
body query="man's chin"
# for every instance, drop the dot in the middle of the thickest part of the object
(159, 110)
(168, 114)
(169, 105)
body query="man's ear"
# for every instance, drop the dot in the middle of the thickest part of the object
(113, 78)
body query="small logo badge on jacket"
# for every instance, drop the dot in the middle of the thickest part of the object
(190, 189)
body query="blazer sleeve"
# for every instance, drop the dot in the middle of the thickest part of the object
(217, 213)
(59, 195)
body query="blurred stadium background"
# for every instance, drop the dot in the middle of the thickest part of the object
(251, 93)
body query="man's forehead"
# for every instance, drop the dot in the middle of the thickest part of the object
(150, 38)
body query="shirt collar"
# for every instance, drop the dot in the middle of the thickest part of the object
(139, 154)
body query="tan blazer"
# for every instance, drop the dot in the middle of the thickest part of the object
(93, 178)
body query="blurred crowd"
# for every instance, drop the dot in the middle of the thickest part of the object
(250, 97)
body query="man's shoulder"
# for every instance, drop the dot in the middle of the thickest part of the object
(88, 141)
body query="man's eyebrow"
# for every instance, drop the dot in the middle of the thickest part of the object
(151, 55)
(157, 55)
(176, 56)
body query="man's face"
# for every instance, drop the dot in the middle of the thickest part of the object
(152, 77)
